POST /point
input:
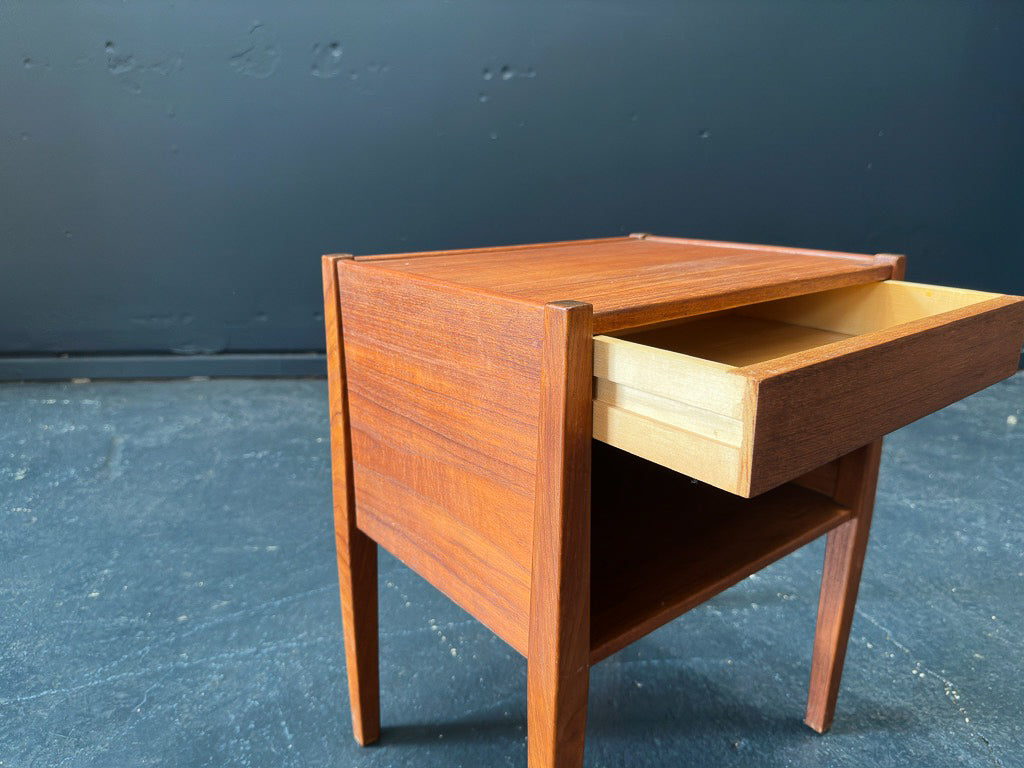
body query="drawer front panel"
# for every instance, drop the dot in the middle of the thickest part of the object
(819, 410)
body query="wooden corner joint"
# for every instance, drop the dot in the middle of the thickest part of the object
(568, 304)
(897, 261)
(337, 256)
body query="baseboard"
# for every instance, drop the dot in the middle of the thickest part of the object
(249, 365)
(239, 365)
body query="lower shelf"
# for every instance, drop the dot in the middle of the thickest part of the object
(662, 543)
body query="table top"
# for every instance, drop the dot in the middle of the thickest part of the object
(642, 279)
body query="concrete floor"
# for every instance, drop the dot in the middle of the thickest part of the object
(168, 597)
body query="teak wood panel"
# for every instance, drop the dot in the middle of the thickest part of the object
(641, 280)
(815, 406)
(558, 670)
(356, 552)
(856, 363)
(443, 392)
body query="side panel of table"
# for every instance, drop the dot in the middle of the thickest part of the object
(443, 391)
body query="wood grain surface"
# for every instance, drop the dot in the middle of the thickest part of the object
(815, 406)
(559, 644)
(357, 553)
(443, 388)
(642, 280)
(845, 548)
(487, 249)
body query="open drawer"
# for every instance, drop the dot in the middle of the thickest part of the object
(753, 397)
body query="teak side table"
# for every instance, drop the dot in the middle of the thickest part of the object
(577, 442)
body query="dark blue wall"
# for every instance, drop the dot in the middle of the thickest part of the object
(170, 172)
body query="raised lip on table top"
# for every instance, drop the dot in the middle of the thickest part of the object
(878, 258)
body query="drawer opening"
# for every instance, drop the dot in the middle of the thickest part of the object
(662, 543)
(760, 332)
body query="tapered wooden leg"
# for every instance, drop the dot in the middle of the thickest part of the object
(844, 558)
(558, 657)
(557, 716)
(357, 574)
(357, 553)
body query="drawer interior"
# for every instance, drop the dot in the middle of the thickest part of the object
(761, 332)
